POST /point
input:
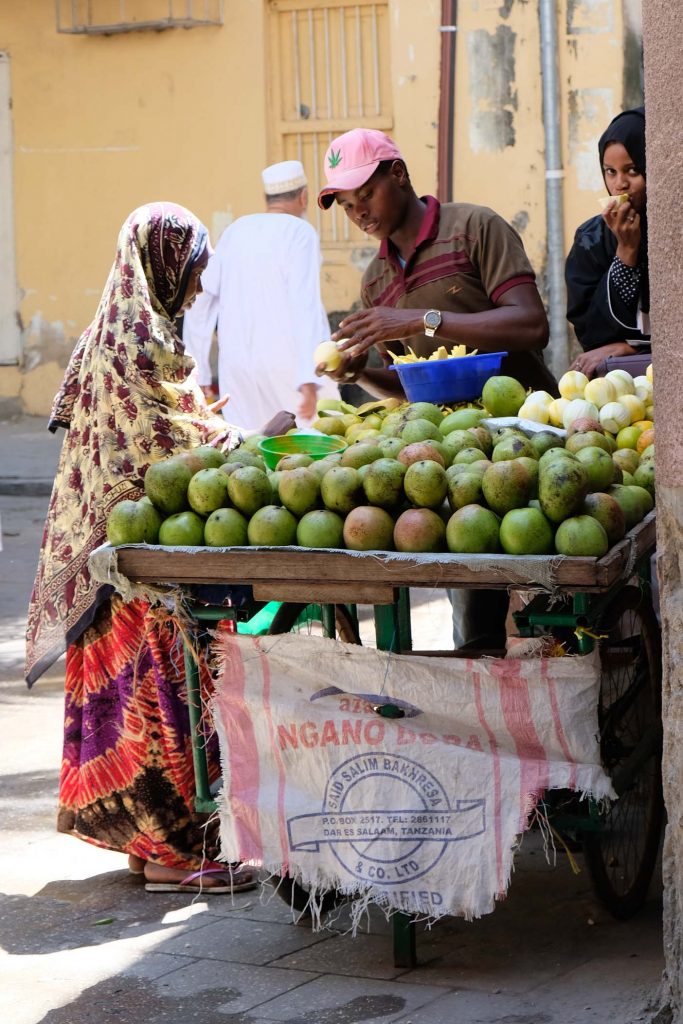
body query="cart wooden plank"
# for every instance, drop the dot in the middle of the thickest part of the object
(322, 592)
(156, 564)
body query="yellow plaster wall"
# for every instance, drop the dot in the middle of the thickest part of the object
(511, 178)
(102, 124)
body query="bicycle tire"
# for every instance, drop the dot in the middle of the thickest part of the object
(286, 619)
(622, 854)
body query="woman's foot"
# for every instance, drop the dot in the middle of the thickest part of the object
(136, 865)
(211, 878)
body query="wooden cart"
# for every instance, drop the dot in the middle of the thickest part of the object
(605, 600)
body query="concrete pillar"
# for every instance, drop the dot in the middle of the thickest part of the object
(663, 43)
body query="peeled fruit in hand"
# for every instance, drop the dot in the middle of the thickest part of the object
(572, 384)
(600, 391)
(614, 416)
(617, 200)
(327, 355)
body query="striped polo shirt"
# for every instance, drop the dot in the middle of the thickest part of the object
(465, 258)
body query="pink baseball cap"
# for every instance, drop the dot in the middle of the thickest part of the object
(352, 158)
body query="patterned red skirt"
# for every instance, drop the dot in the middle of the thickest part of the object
(127, 780)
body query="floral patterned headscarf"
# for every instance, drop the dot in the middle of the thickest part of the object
(129, 398)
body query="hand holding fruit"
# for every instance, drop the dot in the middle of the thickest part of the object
(624, 223)
(588, 362)
(330, 361)
(359, 331)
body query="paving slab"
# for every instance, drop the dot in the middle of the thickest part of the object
(245, 942)
(332, 1000)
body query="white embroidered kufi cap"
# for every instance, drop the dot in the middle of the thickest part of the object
(283, 177)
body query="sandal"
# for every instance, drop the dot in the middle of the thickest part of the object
(238, 879)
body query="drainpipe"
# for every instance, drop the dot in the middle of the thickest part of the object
(446, 125)
(558, 352)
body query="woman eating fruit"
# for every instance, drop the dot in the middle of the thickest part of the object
(129, 398)
(608, 289)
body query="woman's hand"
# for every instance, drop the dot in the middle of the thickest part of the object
(368, 327)
(279, 424)
(624, 223)
(219, 404)
(588, 362)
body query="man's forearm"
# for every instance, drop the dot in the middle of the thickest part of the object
(504, 328)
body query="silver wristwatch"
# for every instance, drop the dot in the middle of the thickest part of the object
(432, 322)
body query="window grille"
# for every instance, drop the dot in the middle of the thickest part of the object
(330, 72)
(109, 17)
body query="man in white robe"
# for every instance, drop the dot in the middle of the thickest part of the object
(262, 288)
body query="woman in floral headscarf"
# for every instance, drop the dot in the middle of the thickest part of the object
(129, 398)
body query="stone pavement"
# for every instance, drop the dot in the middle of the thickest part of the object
(81, 941)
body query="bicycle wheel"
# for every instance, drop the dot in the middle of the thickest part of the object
(307, 619)
(622, 853)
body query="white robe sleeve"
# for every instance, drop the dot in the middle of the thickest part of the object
(308, 321)
(199, 323)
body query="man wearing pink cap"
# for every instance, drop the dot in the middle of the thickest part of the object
(444, 274)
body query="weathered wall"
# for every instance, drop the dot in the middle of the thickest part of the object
(102, 124)
(663, 71)
(499, 122)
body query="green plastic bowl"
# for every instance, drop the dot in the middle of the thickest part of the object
(316, 445)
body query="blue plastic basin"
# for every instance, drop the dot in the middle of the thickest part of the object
(448, 380)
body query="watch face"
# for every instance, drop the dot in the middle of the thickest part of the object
(432, 319)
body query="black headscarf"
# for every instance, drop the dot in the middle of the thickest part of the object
(627, 128)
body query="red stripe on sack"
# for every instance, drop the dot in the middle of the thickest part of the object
(281, 777)
(557, 722)
(493, 747)
(515, 702)
(243, 755)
